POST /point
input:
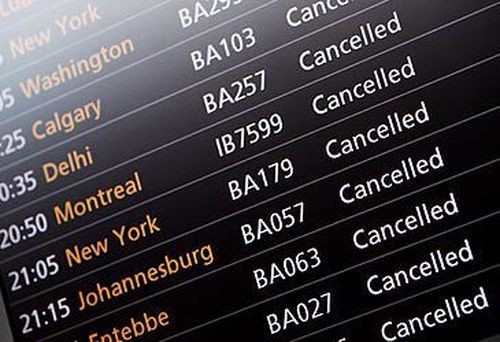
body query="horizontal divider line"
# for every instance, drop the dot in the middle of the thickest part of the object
(180, 91)
(131, 65)
(205, 226)
(175, 141)
(332, 275)
(80, 41)
(104, 219)
(36, 15)
(178, 140)
(270, 199)
(118, 213)
(433, 289)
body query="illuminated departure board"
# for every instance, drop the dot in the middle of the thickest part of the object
(249, 170)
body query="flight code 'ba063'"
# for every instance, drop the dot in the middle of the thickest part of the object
(249, 135)
(287, 268)
(267, 176)
(237, 91)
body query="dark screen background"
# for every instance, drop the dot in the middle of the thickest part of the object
(153, 121)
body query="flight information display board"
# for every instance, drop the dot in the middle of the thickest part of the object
(250, 170)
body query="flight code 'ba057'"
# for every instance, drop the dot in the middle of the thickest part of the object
(237, 91)
(275, 223)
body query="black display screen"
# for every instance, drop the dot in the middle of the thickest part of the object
(249, 170)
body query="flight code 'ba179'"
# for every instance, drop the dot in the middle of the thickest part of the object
(265, 177)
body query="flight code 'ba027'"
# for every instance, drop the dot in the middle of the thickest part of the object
(302, 313)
